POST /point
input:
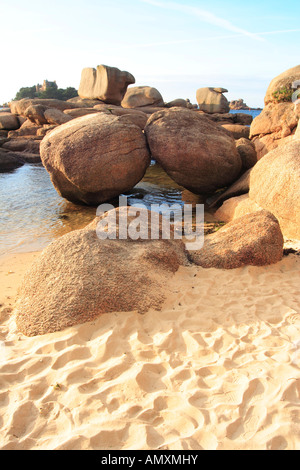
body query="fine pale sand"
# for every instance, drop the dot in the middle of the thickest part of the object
(217, 368)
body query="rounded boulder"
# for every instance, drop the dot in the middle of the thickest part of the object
(197, 153)
(94, 158)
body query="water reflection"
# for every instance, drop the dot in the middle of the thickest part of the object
(32, 214)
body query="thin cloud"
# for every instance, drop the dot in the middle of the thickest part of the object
(204, 38)
(205, 16)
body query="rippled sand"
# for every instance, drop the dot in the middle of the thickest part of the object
(217, 368)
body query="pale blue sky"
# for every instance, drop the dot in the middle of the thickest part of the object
(174, 46)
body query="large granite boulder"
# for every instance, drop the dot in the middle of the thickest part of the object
(254, 239)
(140, 96)
(95, 158)
(284, 80)
(212, 100)
(78, 277)
(195, 152)
(275, 186)
(108, 84)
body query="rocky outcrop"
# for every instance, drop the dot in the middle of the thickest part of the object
(139, 96)
(108, 84)
(235, 207)
(195, 152)
(19, 107)
(238, 131)
(24, 144)
(297, 133)
(95, 158)
(212, 100)
(282, 81)
(79, 277)
(83, 103)
(136, 115)
(274, 127)
(231, 118)
(79, 112)
(179, 102)
(275, 186)
(254, 239)
(238, 104)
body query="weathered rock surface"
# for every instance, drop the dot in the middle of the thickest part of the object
(8, 161)
(140, 96)
(297, 133)
(235, 207)
(247, 152)
(35, 114)
(83, 103)
(79, 112)
(284, 80)
(108, 84)
(19, 107)
(56, 117)
(212, 100)
(179, 102)
(195, 152)
(231, 118)
(23, 144)
(275, 186)
(136, 115)
(238, 104)
(95, 158)
(239, 187)
(79, 277)
(273, 127)
(254, 239)
(27, 129)
(9, 122)
(238, 131)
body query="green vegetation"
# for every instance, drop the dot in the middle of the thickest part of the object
(283, 95)
(52, 91)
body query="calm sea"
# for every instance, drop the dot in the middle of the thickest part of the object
(32, 214)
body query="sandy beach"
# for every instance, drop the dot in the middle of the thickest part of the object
(217, 368)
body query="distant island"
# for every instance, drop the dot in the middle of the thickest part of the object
(241, 105)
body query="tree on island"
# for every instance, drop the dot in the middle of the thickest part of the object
(52, 91)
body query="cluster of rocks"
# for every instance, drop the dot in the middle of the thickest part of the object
(104, 149)
(273, 183)
(277, 123)
(104, 90)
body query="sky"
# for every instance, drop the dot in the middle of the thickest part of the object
(175, 46)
